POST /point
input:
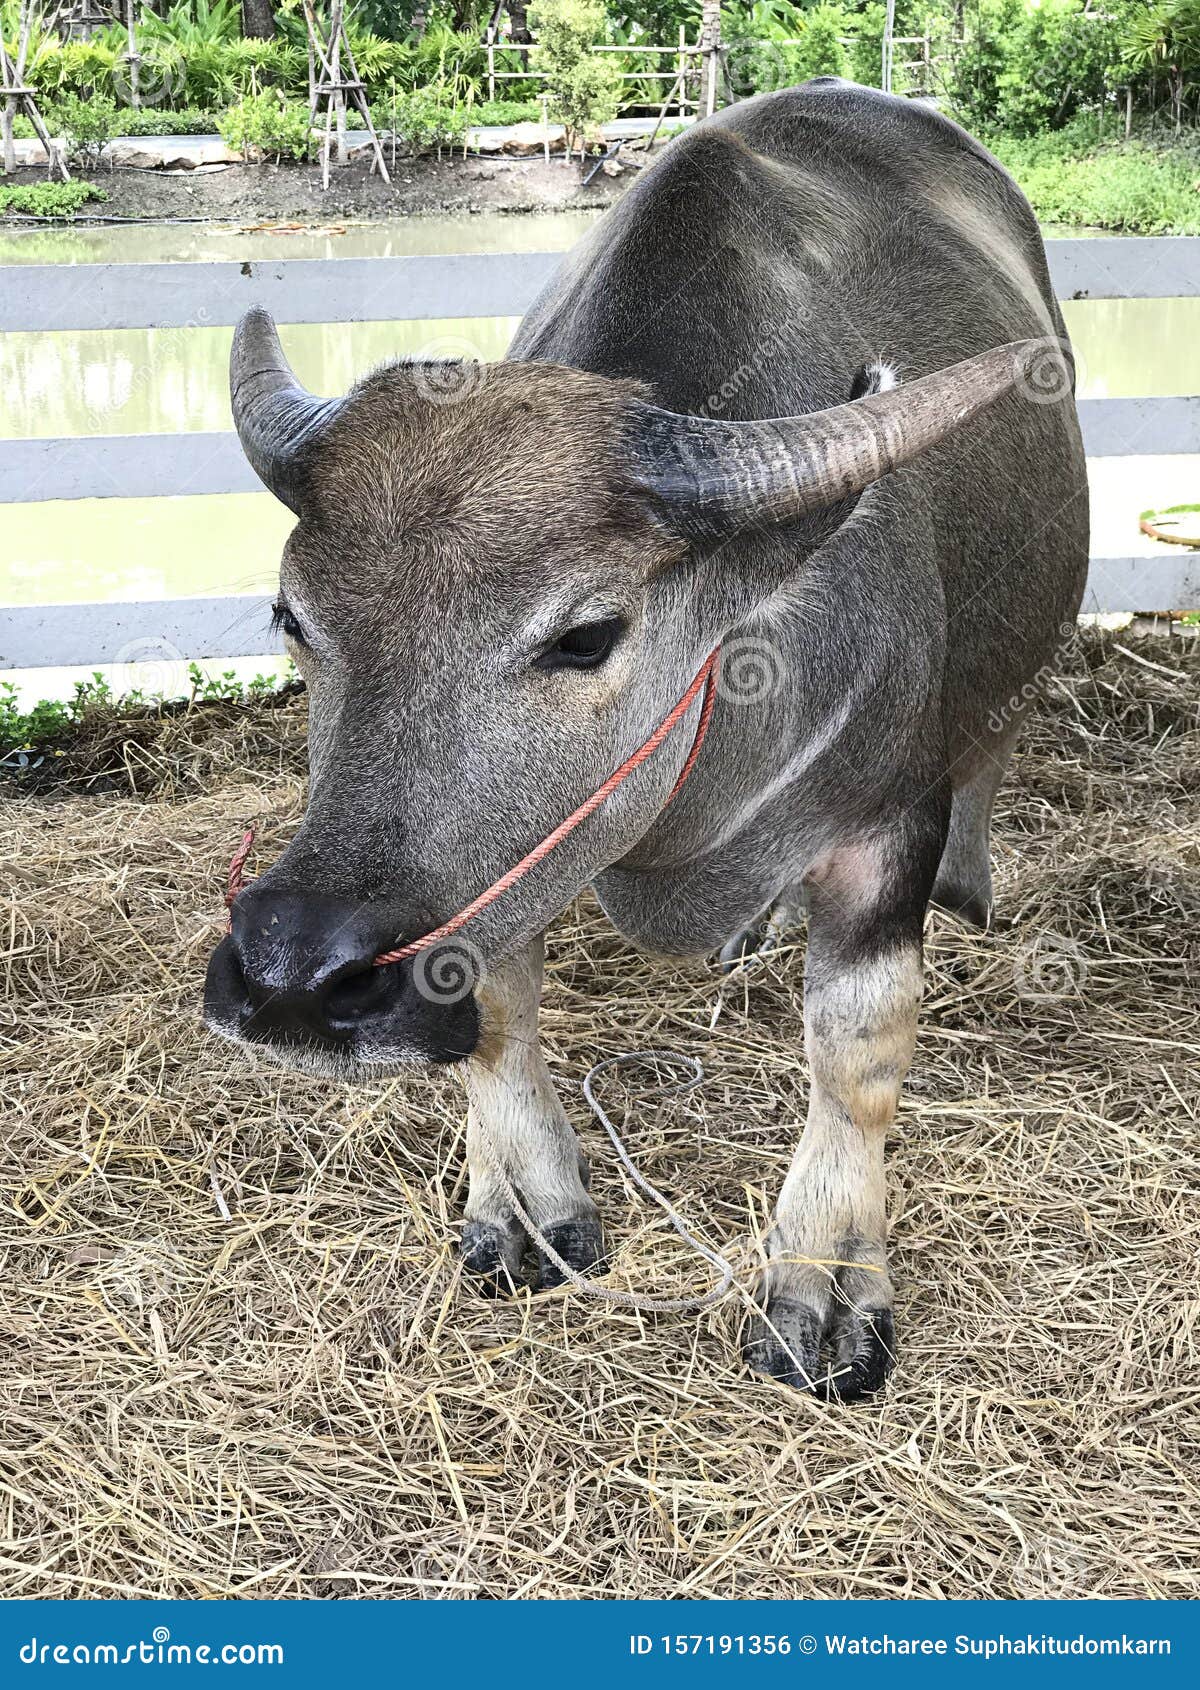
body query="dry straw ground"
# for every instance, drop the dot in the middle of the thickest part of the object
(237, 1355)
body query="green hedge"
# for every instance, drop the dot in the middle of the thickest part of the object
(499, 112)
(215, 73)
(48, 199)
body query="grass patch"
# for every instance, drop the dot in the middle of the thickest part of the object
(1145, 186)
(79, 731)
(48, 199)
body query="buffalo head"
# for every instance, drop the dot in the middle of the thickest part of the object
(500, 579)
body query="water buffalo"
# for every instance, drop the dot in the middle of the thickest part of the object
(774, 401)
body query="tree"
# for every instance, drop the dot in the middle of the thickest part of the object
(584, 87)
(1163, 38)
(710, 41)
(820, 52)
(258, 19)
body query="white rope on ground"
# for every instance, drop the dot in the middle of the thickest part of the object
(607, 1293)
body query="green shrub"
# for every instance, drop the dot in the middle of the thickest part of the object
(1135, 185)
(54, 722)
(423, 121)
(971, 82)
(253, 65)
(866, 52)
(86, 125)
(76, 67)
(268, 126)
(1027, 68)
(377, 60)
(820, 52)
(174, 71)
(208, 78)
(584, 87)
(48, 199)
(387, 63)
(26, 730)
(775, 44)
(452, 61)
(1160, 41)
(190, 23)
(1059, 59)
(146, 120)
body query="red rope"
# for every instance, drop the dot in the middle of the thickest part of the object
(705, 681)
(237, 865)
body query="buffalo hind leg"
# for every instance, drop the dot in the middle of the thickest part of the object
(826, 1297)
(514, 1117)
(964, 879)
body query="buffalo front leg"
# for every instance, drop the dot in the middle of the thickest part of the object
(826, 1296)
(516, 1123)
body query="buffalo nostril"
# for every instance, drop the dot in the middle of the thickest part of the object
(359, 994)
(238, 979)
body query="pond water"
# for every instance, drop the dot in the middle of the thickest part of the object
(201, 241)
(135, 381)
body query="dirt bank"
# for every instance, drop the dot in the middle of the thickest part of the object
(420, 187)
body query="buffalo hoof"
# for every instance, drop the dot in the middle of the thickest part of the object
(504, 1260)
(579, 1242)
(841, 1357)
(493, 1254)
(742, 948)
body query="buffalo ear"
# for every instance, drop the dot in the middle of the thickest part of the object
(278, 422)
(718, 478)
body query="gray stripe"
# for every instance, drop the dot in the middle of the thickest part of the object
(174, 630)
(1167, 580)
(1126, 267)
(123, 466)
(297, 290)
(1124, 428)
(167, 631)
(148, 466)
(501, 284)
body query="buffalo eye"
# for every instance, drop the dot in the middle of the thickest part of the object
(282, 621)
(584, 647)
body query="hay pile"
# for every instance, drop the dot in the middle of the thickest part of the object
(237, 1357)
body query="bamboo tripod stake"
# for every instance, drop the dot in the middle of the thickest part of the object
(17, 97)
(328, 50)
(133, 58)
